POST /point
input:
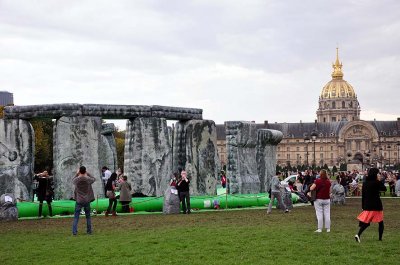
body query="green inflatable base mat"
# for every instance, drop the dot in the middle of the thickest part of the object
(151, 204)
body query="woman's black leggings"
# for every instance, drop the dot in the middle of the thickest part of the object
(364, 226)
(112, 203)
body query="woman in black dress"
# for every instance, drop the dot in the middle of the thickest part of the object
(371, 203)
(110, 192)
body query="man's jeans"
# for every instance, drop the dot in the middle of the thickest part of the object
(78, 207)
(278, 196)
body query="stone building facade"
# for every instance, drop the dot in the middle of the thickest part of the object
(337, 136)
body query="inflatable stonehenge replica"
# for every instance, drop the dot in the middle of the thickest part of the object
(152, 149)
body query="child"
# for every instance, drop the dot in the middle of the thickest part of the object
(125, 196)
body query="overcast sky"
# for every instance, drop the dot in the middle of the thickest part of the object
(236, 60)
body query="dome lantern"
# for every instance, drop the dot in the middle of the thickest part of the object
(337, 67)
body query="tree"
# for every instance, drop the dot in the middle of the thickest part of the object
(43, 144)
(120, 146)
(334, 170)
(1, 112)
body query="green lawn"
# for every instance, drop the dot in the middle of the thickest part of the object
(214, 237)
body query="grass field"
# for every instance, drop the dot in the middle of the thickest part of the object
(217, 237)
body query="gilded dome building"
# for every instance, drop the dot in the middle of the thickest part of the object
(338, 101)
(337, 137)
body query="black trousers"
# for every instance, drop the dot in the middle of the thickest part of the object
(184, 197)
(48, 205)
(125, 206)
(112, 203)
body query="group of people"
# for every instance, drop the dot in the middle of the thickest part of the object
(372, 209)
(114, 182)
(181, 182)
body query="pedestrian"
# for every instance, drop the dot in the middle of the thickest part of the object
(223, 179)
(184, 195)
(110, 193)
(83, 195)
(276, 192)
(322, 204)
(106, 174)
(371, 203)
(44, 191)
(125, 196)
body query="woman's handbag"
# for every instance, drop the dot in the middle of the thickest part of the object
(313, 195)
(110, 194)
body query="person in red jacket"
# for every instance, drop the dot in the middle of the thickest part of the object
(322, 203)
(371, 203)
(223, 179)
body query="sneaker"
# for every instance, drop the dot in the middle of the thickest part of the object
(268, 212)
(328, 230)
(357, 238)
(318, 231)
(286, 211)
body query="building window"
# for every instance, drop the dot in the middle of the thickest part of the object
(331, 148)
(348, 145)
(288, 156)
(331, 155)
(321, 149)
(279, 155)
(358, 145)
(297, 149)
(333, 105)
(343, 105)
(333, 119)
(288, 149)
(324, 119)
(321, 155)
(279, 149)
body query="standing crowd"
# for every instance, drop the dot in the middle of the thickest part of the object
(318, 189)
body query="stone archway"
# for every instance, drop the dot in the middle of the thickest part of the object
(79, 141)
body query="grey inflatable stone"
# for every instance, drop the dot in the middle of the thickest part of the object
(100, 110)
(8, 207)
(53, 111)
(176, 113)
(16, 157)
(171, 203)
(196, 150)
(116, 111)
(267, 141)
(241, 141)
(147, 160)
(108, 148)
(76, 143)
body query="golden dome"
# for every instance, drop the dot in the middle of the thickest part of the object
(337, 87)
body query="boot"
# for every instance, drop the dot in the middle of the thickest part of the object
(107, 213)
(50, 210)
(114, 213)
(40, 209)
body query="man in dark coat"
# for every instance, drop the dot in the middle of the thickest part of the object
(44, 191)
